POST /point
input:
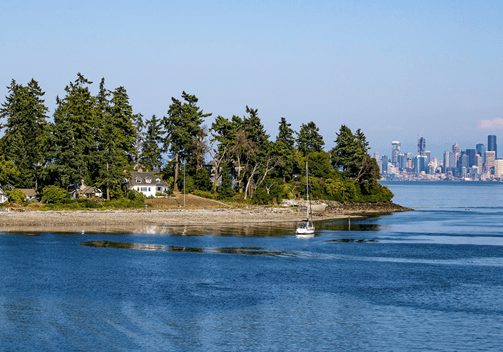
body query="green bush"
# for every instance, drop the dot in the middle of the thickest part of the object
(225, 189)
(54, 194)
(202, 180)
(189, 184)
(15, 196)
(88, 203)
(134, 195)
(260, 196)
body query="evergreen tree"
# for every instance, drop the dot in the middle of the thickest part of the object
(124, 120)
(285, 148)
(225, 188)
(181, 126)
(116, 141)
(151, 151)
(27, 132)
(309, 140)
(139, 125)
(74, 135)
(349, 151)
(8, 170)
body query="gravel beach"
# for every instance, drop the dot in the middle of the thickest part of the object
(128, 220)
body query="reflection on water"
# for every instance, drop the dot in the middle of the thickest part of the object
(350, 240)
(20, 233)
(224, 250)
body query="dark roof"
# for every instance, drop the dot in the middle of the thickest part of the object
(146, 175)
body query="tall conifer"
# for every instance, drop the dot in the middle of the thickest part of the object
(27, 132)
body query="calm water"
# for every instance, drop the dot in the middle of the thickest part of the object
(424, 280)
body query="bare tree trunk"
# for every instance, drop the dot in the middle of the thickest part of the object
(250, 179)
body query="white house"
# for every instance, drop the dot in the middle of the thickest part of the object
(3, 197)
(147, 183)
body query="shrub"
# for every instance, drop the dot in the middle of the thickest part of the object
(202, 180)
(261, 197)
(135, 196)
(225, 189)
(88, 203)
(54, 194)
(15, 196)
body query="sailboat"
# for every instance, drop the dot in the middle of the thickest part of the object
(306, 228)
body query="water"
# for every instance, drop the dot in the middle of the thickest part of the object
(424, 280)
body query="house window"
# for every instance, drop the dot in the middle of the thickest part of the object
(147, 180)
(158, 189)
(144, 189)
(138, 180)
(158, 181)
(149, 189)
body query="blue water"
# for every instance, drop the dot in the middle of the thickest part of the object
(430, 279)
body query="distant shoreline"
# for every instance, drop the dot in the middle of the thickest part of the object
(122, 220)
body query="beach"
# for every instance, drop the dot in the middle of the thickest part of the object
(129, 220)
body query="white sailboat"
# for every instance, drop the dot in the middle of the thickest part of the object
(306, 228)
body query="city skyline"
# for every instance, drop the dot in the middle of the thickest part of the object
(438, 149)
(478, 163)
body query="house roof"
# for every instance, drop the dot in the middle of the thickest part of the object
(143, 176)
(89, 190)
(29, 192)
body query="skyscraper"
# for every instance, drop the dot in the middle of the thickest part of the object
(480, 151)
(421, 146)
(447, 160)
(471, 157)
(492, 146)
(384, 164)
(490, 157)
(395, 151)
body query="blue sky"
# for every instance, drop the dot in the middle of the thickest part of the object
(391, 68)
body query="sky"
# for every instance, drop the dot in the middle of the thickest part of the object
(395, 69)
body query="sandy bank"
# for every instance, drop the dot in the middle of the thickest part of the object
(126, 220)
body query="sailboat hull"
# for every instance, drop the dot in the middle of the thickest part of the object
(305, 230)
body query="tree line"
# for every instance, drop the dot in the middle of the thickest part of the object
(99, 140)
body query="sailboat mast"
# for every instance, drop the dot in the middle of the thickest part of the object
(307, 189)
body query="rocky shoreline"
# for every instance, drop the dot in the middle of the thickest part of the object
(125, 220)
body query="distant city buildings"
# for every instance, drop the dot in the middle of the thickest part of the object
(492, 145)
(478, 164)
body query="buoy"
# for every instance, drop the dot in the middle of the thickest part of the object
(82, 231)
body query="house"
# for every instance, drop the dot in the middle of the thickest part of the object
(84, 191)
(3, 196)
(90, 191)
(147, 183)
(30, 194)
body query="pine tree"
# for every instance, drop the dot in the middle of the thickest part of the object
(309, 140)
(116, 138)
(285, 145)
(74, 135)
(27, 132)
(181, 126)
(349, 151)
(151, 150)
